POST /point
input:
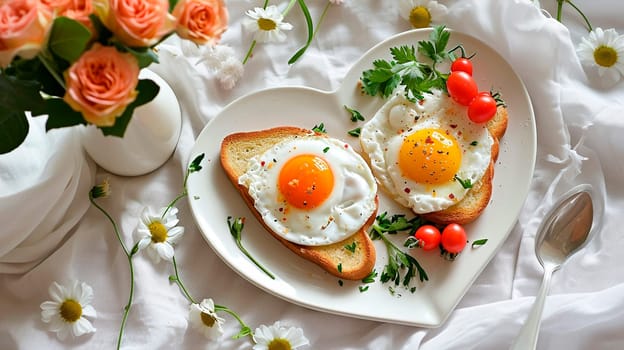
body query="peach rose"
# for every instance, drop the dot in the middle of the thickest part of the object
(201, 21)
(58, 5)
(101, 84)
(136, 23)
(80, 10)
(24, 27)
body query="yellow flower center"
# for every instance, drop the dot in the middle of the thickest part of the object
(266, 24)
(158, 231)
(420, 17)
(207, 319)
(605, 56)
(279, 344)
(71, 310)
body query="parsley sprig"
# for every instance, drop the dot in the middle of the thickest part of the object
(398, 261)
(405, 69)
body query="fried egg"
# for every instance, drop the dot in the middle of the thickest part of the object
(426, 154)
(311, 190)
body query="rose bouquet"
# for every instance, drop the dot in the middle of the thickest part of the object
(78, 61)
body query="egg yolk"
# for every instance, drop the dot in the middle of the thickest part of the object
(306, 181)
(430, 156)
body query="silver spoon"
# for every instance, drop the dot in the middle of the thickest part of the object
(562, 233)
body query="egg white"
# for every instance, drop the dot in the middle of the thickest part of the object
(350, 204)
(382, 136)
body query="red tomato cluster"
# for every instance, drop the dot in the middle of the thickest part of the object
(452, 239)
(463, 89)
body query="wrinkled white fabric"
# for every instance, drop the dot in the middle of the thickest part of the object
(578, 124)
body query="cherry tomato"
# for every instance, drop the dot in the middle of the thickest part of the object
(453, 238)
(428, 237)
(462, 87)
(482, 108)
(462, 64)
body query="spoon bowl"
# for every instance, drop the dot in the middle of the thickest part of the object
(563, 232)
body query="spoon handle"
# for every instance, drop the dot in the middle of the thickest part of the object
(527, 338)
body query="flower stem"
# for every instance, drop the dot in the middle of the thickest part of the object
(250, 51)
(131, 266)
(287, 9)
(245, 329)
(51, 69)
(178, 281)
(318, 24)
(589, 26)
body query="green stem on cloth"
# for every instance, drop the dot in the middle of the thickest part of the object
(129, 257)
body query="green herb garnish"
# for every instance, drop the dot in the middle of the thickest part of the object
(406, 70)
(340, 283)
(370, 278)
(320, 128)
(479, 242)
(236, 230)
(363, 288)
(355, 115)
(325, 149)
(466, 183)
(355, 132)
(339, 267)
(351, 247)
(474, 143)
(398, 261)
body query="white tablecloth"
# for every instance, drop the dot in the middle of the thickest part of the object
(578, 124)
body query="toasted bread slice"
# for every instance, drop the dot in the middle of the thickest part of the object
(475, 201)
(238, 148)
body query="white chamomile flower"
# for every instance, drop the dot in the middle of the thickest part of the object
(231, 71)
(267, 24)
(66, 313)
(278, 337)
(604, 50)
(158, 233)
(422, 13)
(204, 319)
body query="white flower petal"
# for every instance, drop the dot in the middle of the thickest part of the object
(82, 326)
(144, 242)
(165, 250)
(89, 311)
(56, 292)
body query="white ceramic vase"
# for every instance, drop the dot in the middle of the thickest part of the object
(150, 138)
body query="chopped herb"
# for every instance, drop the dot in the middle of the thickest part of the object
(411, 242)
(355, 132)
(479, 242)
(398, 261)
(474, 143)
(355, 115)
(339, 267)
(196, 197)
(236, 230)
(340, 283)
(370, 278)
(465, 183)
(363, 288)
(351, 247)
(320, 128)
(412, 290)
(195, 164)
(325, 149)
(404, 69)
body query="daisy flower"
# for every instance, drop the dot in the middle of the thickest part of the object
(101, 191)
(205, 320)
(267, 24)
(278, 337)
(66, 313)
(159, 233)
(604, 50)
(422, 13)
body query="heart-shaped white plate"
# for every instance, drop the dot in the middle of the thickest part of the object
(213, 198)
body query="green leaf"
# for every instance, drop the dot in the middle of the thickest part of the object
(355, 115)
(145, 55)
(403, 54)
(196, 163)
(310, 25)
(147, 91)
(479, 242)
(61, 115)
(68, 38)
(20, 95)
(13, 129)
